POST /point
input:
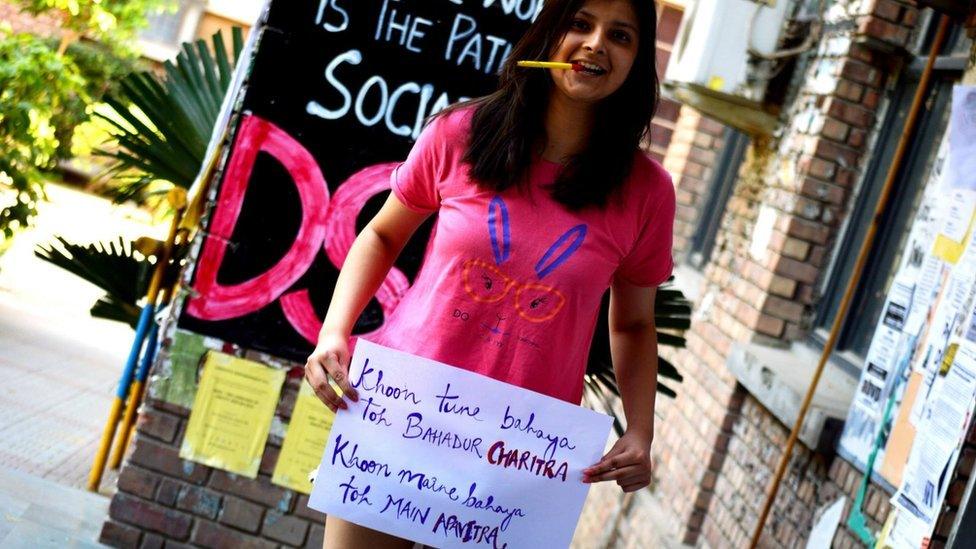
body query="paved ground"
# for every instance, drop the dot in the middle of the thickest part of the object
(41, 514)
(59, 369)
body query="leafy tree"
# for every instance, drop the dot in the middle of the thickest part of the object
(161, 122)
(36, 86)
(161, 125)
(47, 87)
(111, 22)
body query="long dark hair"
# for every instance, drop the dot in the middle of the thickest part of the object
(507, 124)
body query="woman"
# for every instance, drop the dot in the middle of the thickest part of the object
(543, 201)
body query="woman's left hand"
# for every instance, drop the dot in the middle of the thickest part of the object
(628, 463)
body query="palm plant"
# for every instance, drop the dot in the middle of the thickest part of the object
(118, 267)
(161, 128)
(672, 313)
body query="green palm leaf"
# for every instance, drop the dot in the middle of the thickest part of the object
(162, 125)
(114, 266)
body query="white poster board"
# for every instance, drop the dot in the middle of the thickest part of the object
(450, 458)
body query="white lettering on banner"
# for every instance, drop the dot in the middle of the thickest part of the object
(523, 9)
(403, 107)
(461, 459)
(405, 31)
(465, 31)
(387, 104)
(353, 57)
(334, 8)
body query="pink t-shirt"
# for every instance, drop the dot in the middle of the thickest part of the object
(511, 284)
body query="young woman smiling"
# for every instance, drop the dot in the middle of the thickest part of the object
(543, 201)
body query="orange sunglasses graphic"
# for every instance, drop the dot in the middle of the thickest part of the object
(534, 301)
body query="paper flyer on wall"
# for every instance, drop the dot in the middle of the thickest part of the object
(941, 429)
(232, 414)
(305, 440)
(959, 210)
(903, 317)
(949, 315)
(907, 532)
(886, 357)
(941, 328)
(962, 138)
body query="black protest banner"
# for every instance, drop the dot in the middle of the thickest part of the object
(338, 92)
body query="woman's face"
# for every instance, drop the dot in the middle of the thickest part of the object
(603, 35)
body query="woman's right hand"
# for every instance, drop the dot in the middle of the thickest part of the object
(330, 359)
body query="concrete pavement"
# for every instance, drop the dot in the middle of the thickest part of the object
(58, 372)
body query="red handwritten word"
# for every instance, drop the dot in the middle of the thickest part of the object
(526, 461)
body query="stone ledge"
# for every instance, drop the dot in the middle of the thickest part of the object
(779, 379)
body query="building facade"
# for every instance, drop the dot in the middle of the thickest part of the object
(768, 230)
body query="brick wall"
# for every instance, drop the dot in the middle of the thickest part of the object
(44, 25)
(164, 500)
(663, 125)
(804, 179)
(716, 445)
(690, 156)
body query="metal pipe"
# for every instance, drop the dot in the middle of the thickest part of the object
(178, 200)
(862, 257)
(138, 387)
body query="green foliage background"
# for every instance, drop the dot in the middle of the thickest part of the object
(48, 87)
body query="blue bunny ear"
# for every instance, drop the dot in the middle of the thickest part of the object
(498, 215)
(549, 264)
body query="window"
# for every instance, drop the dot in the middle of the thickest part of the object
(858, 328)
(719, 190)
(167, 29)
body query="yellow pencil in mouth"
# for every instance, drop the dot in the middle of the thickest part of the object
(576, 67)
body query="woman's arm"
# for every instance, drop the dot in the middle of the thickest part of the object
(633, 348)
(370, 259)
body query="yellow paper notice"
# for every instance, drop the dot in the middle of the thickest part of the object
(950, 248)
(232, 413)
(304, 442)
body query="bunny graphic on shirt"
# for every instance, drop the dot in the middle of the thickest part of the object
(533, 301)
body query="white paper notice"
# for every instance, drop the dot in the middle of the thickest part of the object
(962, 139)
(449, 458)
(957, 211)
(908, 532)
(822, 535)
(899, 303)
(969, 328)
(876, 379)
(860, 431)
(941, 428)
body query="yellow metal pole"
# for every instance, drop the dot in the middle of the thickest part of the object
(135, 393)
(855, 276)
(177, 198)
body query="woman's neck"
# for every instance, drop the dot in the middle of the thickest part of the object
(568, 124)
